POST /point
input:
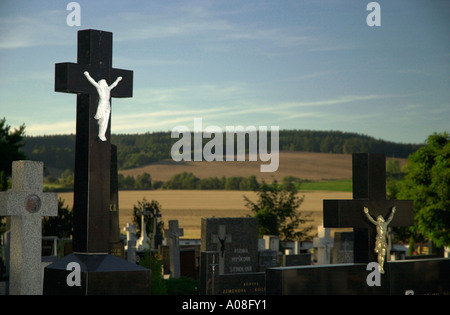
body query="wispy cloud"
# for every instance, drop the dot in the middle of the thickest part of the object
(42, 28)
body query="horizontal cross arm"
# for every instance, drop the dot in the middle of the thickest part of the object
(13, 203)
(69, 78)
(125, 86)
(341, 213)
(350, 213)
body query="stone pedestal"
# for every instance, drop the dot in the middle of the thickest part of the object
(100, 274)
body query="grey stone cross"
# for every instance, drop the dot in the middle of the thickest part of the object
(173, 235)
(26, 204)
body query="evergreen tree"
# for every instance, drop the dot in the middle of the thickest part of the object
(277, 212)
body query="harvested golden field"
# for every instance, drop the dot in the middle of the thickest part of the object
(189, 206)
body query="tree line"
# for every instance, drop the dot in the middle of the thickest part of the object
(187, 180)
(135, 150)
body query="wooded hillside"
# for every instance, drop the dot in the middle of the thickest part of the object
(135, 150)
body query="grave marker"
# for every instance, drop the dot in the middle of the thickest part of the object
(233, 244)
(143, 242)
(323, 242)
(131, 242)
(369, 190)
(92, 155)
(101, 273)
(27, 204)
(173, 234)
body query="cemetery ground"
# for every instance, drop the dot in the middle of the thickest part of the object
(189, 206)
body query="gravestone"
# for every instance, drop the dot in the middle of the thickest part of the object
(173, 235)
(323, 242)
(267, 258)
(157, 235)
(236, 240)
(272, 242)
(425, 276)
(26, 204)
(101, 273)
(369, 191)
(296, 260)
(229, 257)
(342, 251)
(143, 242)
(130, 247)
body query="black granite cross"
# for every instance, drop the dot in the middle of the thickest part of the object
(369, 190)
(92, 156)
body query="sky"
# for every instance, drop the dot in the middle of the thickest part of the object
(295, 64)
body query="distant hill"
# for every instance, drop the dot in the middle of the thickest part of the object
(308, 166)
(137, 150)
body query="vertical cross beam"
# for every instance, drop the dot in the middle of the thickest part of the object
(369, 190)
(92, 155)
(142, 242)
(27, 204)
(221, 238)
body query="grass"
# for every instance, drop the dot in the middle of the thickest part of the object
(331, 185)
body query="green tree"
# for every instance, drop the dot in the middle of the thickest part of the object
(249, 183)
(126, 182)
(428, 184)
(11, 143)
(60, 225)
(277, 212)
(155, 208)
(144, 181)
(67, 179)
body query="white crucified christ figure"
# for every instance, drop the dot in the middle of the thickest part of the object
(104, 104)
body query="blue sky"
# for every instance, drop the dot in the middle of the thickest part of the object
(295, 64)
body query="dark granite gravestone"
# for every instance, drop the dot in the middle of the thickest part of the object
(369, 190)
(236, 240)
(101, 273)
(342, 251)
(267, 258)
(229, 257)
(426, 276)
(296, 260)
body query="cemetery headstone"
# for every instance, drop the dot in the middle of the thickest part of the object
(272, 242)
(131, 242)
(323, 242)
(157, 235)
(173, 234)
(26, 204)
(236, 240)
(342, 251)
(369, 191)
(101, 273)
(229, 257)
(401, 277)
(143, 242)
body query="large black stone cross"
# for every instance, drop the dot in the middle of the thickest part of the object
(369, 190)
(92, 156)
